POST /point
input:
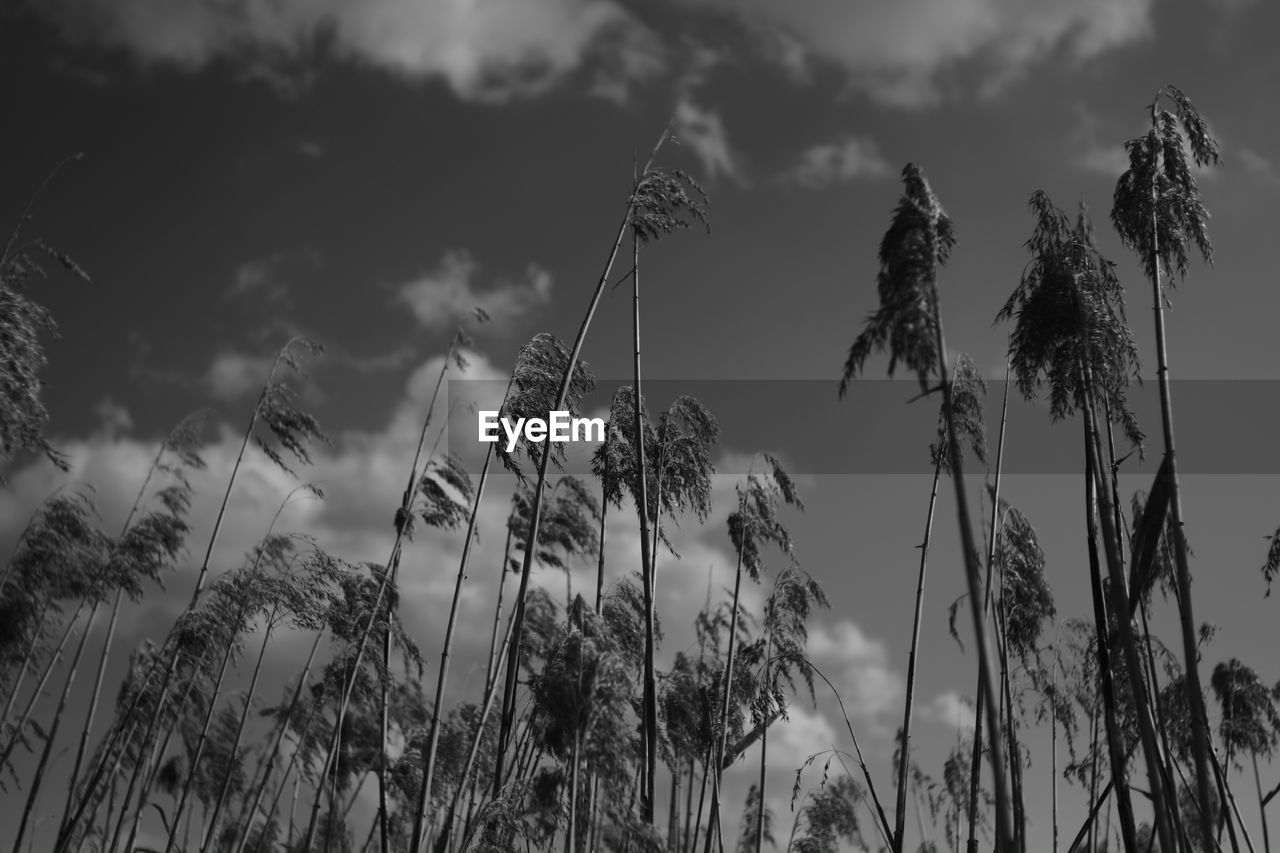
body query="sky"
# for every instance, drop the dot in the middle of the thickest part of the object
(366, 174)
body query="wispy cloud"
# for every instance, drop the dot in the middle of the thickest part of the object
(441, 297)
(113, 418)
(840, 162)
(702, 131)
(233, 375)
(487, 51)
(1258, 166)
(266, 279)
(1233, 7)
(381, 362)
(902, 52)
(312, 148)
(1112, 161)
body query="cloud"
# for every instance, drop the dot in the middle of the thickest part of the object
(1233, 7)
(1109, 161)
(1259, 167)
(869, 685)
(381, 362)
(490, 50)
(113, 418)
(805, 733)
(1112, 161)
(953, 711)
(903, 52)
(266, 278)
(235, 374)
(703, 132)
(441, 297)
(831, 163)
(257, 275)
(311, 148)
(232, 375)
(362, 475)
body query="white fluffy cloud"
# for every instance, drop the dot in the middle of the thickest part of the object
(839, 162)
(1109, 161)
(484, 49)
(953, 711)
(806, 732)
(439, 298)
(899, 51)
(859, 667)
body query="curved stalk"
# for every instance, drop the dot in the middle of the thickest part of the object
(236, 627)
(900, 816)
(764, 751)
(975, 762)
(50, 738)
(1231, 799)
(16, 687)
(489, 695)
(1119, 762)
(21, 723)
(1186, 617)
(216, 812)
(105, 652)
(1011, 732)
(535, 512)
(269, 759)
(1004, 825)
(433, 737)
(647, 565)
(172, 665)
(393, 561)
(1053, 737)
(152, 768)
(1120, 605)
(284, 780)
(713, 827)
(203, 738)
(1262, 809)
